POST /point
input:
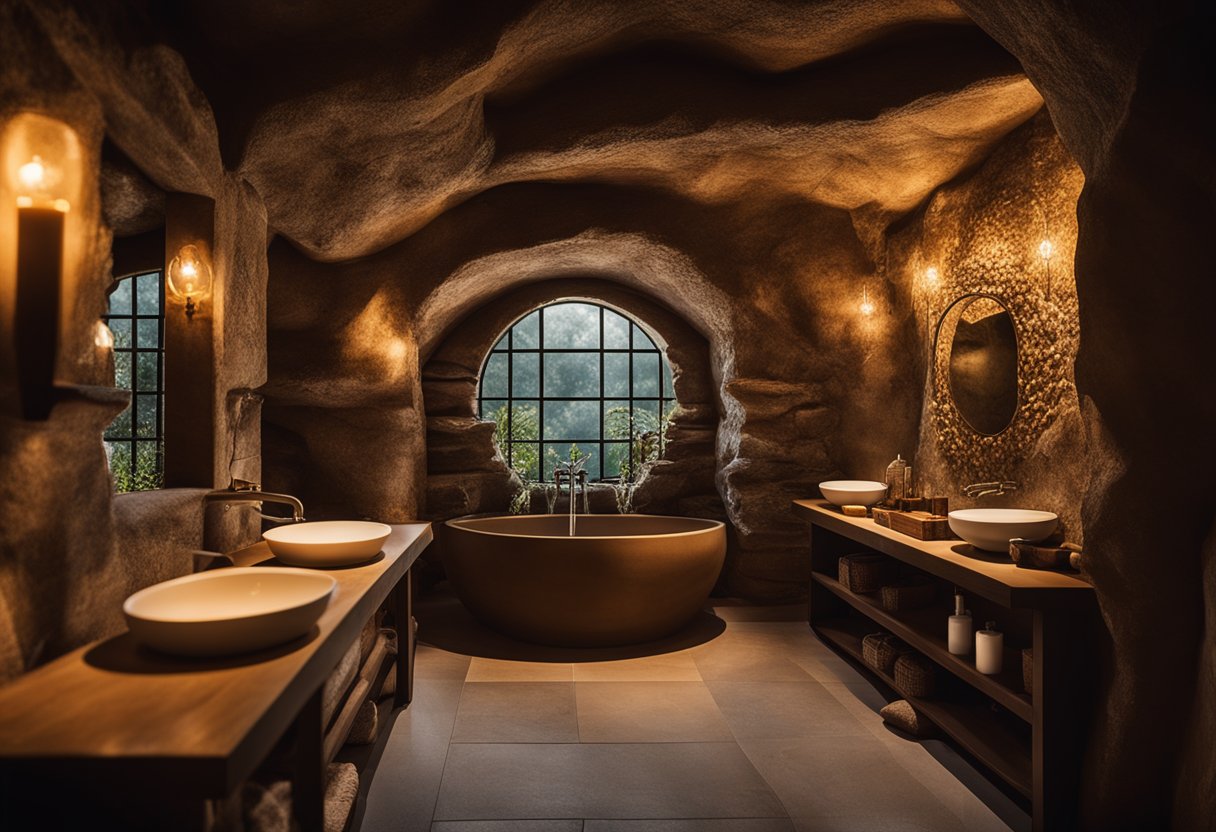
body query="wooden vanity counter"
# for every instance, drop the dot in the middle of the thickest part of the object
(116, 712)
(1033, 742)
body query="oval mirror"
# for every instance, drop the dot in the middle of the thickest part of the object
(983, 363)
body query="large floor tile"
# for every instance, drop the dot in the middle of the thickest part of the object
(668, 667)
(748, 612)
(646, 780)
(405, 783)
(433, 663)
(516, 712)
(847, 780)
(779, 710)
(648, 712)
(746, 658)
(507, 826)
(691, 825)
(498, 670)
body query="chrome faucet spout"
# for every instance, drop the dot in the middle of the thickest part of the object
(984, 489)
(243, 491)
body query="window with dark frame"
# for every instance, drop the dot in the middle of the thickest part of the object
(575, 373)
(135, 439)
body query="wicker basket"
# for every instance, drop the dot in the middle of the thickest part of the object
(914, 675)
(1028, 670)
(880, 650)
(866, 572)
(912, 595)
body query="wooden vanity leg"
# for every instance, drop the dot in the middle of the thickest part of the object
(308, 780)
(403, 616)
(1062, 693)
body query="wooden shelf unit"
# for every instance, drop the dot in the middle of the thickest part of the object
(1033, 743)
(130, 727)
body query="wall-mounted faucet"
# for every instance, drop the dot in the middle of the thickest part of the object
(243, 491)
(984, 489)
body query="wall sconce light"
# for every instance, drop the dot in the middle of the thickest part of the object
(867, 305)
(43, 161)
(931, 277)
(1045, 252)
(189, 278)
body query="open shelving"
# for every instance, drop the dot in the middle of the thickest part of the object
(1031, 743)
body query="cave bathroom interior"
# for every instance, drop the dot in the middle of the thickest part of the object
(597, 416)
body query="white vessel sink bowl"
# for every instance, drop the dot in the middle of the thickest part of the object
(228, 611)
(991, 529)
(327, 543)
(853, 492)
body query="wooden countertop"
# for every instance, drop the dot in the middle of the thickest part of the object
(956, 561)
(115, 709)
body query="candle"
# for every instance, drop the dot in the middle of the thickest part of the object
(989, 649)
(36, 324)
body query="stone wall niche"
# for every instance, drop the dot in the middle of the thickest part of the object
(465, 473)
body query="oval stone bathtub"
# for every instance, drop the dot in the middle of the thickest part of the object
(623, 579)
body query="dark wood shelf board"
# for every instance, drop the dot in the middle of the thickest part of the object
(1003, 688)
(976, 730)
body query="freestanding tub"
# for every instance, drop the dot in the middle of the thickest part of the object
(624, 579)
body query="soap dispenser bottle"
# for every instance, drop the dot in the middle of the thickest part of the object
(958, 630)
(896, 475)
(989, 648)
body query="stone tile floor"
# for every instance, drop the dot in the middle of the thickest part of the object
(758, 728)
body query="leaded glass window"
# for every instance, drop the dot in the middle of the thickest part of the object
(577, 374)
(135, 439)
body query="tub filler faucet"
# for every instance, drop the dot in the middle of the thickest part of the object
(573, 473)
(243, 491)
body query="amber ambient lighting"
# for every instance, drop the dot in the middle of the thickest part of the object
(931, 277)
(867, 306)
(103, 337)
(39, 180)
(189, 277)
(1045, 251)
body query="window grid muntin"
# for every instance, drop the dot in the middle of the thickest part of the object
(132, 439)
(600, 443)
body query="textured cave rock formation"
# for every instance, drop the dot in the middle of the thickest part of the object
(1130, 87)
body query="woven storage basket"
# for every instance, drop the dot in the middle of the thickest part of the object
(1028, 670)
(880, 650)
(865, 572)
(912, 595)
(914, 675)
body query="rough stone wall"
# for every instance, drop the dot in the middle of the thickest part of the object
(806, 387)
(982, 234)
(70, 552)
(1130, 87)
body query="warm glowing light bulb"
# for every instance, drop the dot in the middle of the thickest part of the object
(867, 306)
(189, 277)
(32, 174)
(1045, 249)
(103, 337)
(931, 275)
(36, 181)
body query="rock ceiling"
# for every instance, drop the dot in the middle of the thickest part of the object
(361, 123)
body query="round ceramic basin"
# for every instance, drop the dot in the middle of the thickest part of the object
(228, 611)
(327, 542)
(991, 529)
(853, 492)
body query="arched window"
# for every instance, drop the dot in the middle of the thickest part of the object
(577, 373)
(135, 439)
